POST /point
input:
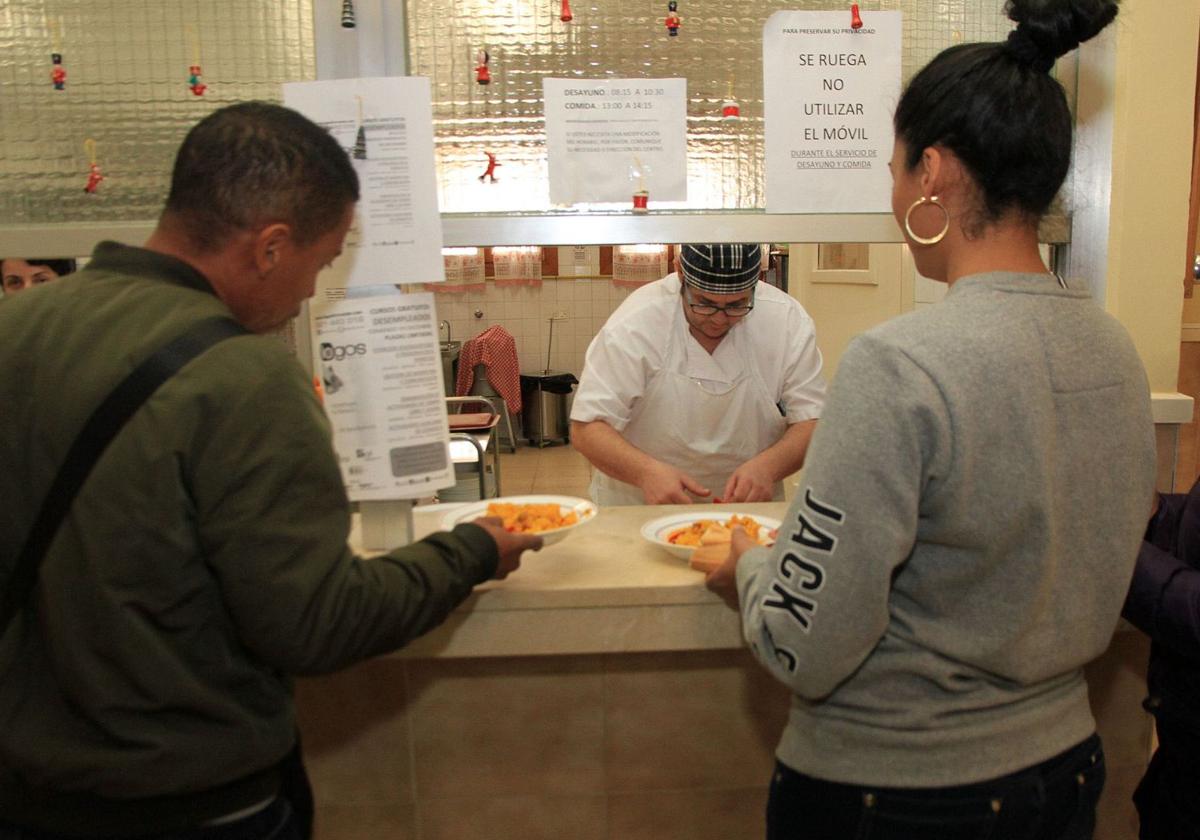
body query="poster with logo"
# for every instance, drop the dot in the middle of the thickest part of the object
(829, 93)
(607, 139)
(386, 127)
(378, 363)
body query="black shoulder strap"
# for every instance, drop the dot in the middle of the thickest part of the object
(104, 424)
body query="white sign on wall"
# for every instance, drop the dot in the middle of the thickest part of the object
(386, 126)
(609, 138)
(378, 362)
(829, 93)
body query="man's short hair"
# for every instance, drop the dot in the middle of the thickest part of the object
(256, 163)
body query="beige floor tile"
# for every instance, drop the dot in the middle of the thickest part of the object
(688, 720)
(370, 821)
(354, 726)
(514, 818)
(689, 815)
(512, 726)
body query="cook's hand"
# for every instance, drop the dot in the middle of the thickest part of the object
(666, 485)
(749, 483)
(723, 579)
(510, 546)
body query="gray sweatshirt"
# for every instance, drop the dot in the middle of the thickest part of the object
(961, 543)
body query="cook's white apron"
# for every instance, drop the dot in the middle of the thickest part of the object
(707, 435)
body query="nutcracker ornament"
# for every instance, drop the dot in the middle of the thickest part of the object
(672, 22)
(196, 86)
(489, 174)
(855, 17)
(565, 15)
(348, 21)
(483, 75)
(58, 75)
(94, 176)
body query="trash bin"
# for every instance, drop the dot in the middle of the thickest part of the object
(544, 413)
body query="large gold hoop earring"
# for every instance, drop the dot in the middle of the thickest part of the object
(926, 240)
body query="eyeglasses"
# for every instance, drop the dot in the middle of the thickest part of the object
(733, 310)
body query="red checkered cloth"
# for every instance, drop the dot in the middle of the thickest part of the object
(496, 349)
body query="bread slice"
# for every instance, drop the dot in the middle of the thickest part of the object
(716, 535)
(709, 557)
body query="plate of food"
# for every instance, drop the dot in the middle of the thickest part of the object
(550, 517)
(683, 533)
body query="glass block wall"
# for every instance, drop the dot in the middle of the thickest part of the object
(718, 49)
(127, 88)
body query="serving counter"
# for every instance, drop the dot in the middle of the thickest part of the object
(599, 693)
(602, 589)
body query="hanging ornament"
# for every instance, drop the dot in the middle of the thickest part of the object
(855, 17)
(348, 21)
(641, 196)
(359, 151)
(58, 75)
(483, 76)
(565, 15)
(94, 176)
(730, 110)
(672, 20)
(489, 174)
(196, 86)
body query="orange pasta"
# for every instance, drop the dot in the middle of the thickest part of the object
(710, 530)
(532, 518)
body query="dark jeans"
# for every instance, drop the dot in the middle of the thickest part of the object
(1168, 798)
(275, 822)
(1054, 800)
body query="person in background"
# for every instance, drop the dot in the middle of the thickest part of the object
(1164, 602)
(17, 274)
(706, 383)
(973, 498)
(145, 686)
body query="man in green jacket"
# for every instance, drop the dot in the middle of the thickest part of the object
(144, 686)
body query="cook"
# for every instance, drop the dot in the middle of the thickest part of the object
(704, 384)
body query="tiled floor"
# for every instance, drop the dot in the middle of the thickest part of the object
(558, 470)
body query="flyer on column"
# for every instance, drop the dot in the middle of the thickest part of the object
(829, 93)
(378, 362)
(386, 126)
(609, 138)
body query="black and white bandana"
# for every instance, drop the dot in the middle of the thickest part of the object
(721, 269)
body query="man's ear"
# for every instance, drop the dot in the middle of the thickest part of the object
(270, 246)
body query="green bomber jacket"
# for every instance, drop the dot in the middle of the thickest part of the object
(203, 563)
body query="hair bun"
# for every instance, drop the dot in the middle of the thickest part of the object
(1047, 29)
(1025, 49)
(1021, 46)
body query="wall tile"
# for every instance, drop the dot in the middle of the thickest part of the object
(514, 818)
(695, 719)
(354, 726)
(366, 821)
(688, 815)
(512, 726)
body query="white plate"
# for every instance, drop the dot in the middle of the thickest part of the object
(657, 530)
(585, 508)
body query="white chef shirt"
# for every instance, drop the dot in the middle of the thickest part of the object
(777, 337)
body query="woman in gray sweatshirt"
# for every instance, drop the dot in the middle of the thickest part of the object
(973, 499)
